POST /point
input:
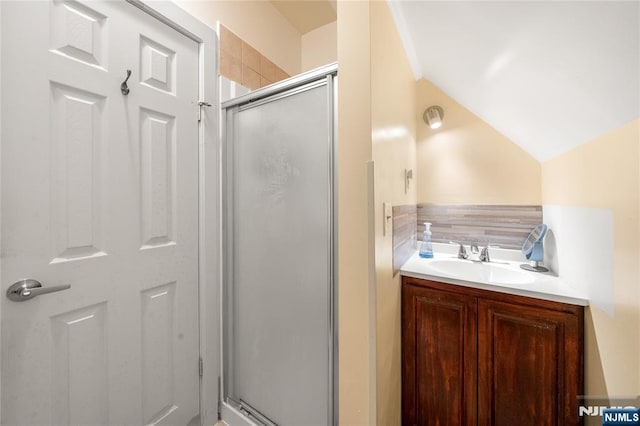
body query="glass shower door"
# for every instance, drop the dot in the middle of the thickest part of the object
(278, 280)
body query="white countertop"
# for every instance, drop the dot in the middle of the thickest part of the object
(443, 268)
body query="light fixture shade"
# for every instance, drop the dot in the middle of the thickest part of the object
(433, 116)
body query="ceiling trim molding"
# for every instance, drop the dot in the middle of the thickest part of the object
(405, 37)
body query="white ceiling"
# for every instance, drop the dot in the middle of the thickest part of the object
(549, 75)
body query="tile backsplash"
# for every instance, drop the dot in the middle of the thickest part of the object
(241, 63)
(404, 234)
(506, 226)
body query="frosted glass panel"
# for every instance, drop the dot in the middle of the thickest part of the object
(281, 191)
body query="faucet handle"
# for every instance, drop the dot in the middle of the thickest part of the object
(484, 254)
(462, 252)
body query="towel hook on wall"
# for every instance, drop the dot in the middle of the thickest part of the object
(123, 87)
(408, 175)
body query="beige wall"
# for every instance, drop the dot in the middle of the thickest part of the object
(393, 127)
(258, 23)
(604, 173)
(466, 161)
(320, 46)
(354, 150)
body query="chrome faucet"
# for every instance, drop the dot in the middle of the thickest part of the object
(462, 252)
(484, 254)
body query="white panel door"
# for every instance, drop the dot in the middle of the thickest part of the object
(99, 191)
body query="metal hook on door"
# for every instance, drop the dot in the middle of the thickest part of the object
(123, 87)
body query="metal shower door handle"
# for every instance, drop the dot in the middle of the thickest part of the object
(28, 289)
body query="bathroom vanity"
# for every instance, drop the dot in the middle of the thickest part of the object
(475, 353)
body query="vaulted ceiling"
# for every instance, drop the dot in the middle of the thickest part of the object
(549, 75)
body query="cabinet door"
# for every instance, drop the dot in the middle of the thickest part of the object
(528, 365)
(439, 345)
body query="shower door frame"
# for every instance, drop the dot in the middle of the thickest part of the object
(323, 76)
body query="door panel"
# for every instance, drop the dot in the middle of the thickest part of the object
(158, 351)
(99, 191)
(528, 365)
(79, 366)
(78, 138)
(78, 32)
(439, 353)
(157, 172)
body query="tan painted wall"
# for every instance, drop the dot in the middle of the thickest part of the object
(258, 23)
(466, 161)
(354, 150)
(605, 173)
(320, 46)
(393, 103)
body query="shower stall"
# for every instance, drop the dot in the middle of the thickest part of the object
(279, 310)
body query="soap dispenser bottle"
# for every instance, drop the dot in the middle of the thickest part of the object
(426, 248)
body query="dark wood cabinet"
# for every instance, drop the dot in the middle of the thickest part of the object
(439, 357)
(477, 357)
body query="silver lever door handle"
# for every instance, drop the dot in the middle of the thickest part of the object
(28, 289)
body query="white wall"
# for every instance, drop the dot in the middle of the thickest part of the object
(230, 89)
(579, 248)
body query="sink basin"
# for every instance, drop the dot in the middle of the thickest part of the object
(504, 275)
(481, 272)
(455, 267)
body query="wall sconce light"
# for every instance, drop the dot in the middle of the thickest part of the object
(433, 116)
